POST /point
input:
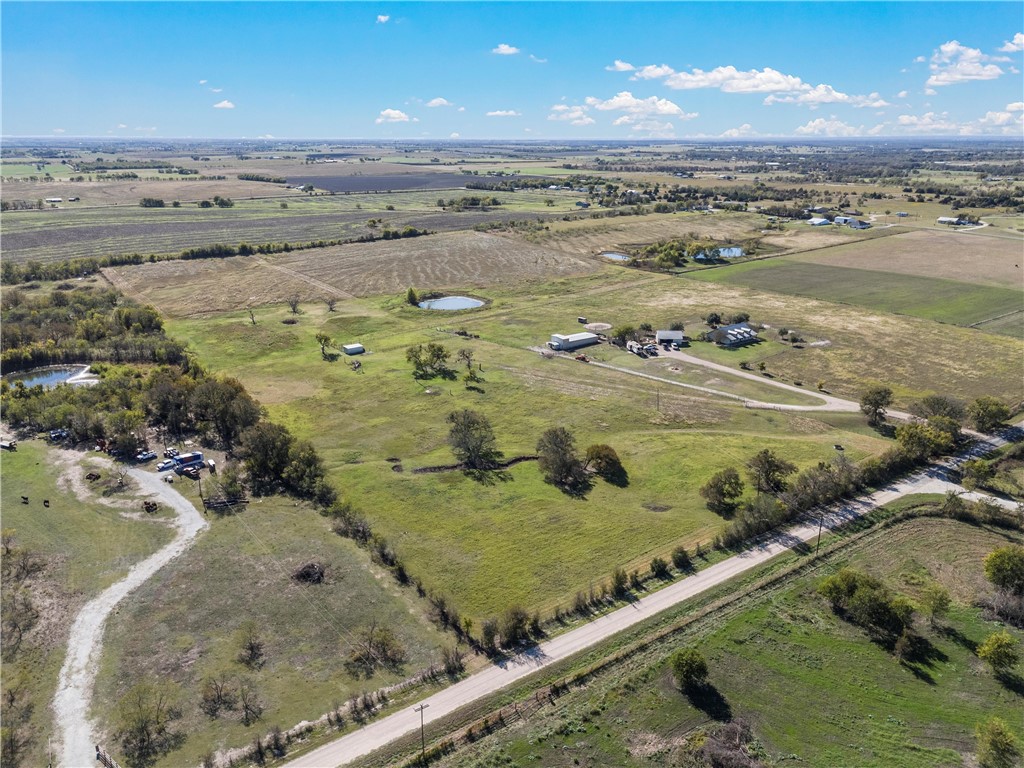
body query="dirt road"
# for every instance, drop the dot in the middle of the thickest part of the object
(85, 643)
(933, 479)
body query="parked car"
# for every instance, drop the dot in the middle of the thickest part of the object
(164, 465)
(675, 346)
(145, 456)
(170, 453)
(58, 434)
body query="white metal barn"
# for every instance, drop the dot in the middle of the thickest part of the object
(564, 342)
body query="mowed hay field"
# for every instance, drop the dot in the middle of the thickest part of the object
(814, 688)
(947, 301)
(457, 260)
(979, 259)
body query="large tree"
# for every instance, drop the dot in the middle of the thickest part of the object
(768, 472)
(143, 722)
(997, 746)
(722, 490)
(689, 668)
(1004, 567)
(472, 440)
(266, 451)
(987, 413)
(873, 403)
(559, 462)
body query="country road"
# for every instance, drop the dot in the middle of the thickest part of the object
(85, 643)
(932, 479)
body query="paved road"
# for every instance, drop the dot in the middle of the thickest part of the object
(85, 643)
(381, 732)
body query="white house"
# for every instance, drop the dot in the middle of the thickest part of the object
(668, 337)
(353, 349)
(818, 222)
(844, 220)
(950, 220)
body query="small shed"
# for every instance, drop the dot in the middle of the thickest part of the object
(353, 349)
(668, 337)
(844, 220)
(564, 342)
(953, 221)
(858, 224)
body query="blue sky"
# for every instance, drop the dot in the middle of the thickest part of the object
(512, 70)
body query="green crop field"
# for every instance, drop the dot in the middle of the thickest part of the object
(947, 301)
(814, 688)
(181, 626)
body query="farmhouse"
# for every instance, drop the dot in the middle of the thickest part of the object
(818, 222)
(950, 221)
(668, 337)
(844, 220)
(564, 342)
(858, 224)
(733, 335)
(353, 349)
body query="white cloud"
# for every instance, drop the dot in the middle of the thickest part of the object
(955, 63)
(58, 130)
(504, 49)
(504, 113)
(930, 92)
(202, 82)
(620, 66)
(392, 116)
(919, 59)
(826, 94)
(739, 133)
(731, 80)
(216, 90)
(143, 129)
(902, 95)
(830, 127)
(265, 136)
(1017, 106)
(651, 129)
(453, 135)
(625, 101)
(224, 105)
(538, 59)
(121, 125)
(575, 114)
(653, 72)
(382, 19)
(461, 109)
(929, 122)
(1014, 45)
(439, 102)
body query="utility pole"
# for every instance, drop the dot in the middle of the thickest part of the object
(423, 739)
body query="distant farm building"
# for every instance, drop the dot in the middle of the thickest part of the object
(353, 349)
(818, 222)
(734, 335)
(902, 214)
(858, 224)
(561, 342)
(581, 204)
(668, 337)
(55, 199)
(844, 220)
(951, 221)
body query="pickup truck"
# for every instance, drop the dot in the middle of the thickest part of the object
(145, 456)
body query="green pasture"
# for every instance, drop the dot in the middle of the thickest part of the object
(85, 547)
(181, 626)
(946, 301)
(814, 688)
(511, 538)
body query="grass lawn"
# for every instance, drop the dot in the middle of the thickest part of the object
(814, 688)
(85, 545)
(181, 625)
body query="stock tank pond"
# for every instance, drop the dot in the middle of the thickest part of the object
(451, 303)
(50, 376)
(615, 256)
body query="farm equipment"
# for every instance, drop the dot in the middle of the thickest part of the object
(92, 477)
(150, 506)
(583, 358)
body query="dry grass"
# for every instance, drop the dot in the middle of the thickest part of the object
(129, 192)
(929, 253)
(461, 260)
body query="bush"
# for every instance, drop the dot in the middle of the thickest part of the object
(660, 569)
(680, 559)
(689, 668)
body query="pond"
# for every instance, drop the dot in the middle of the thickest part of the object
(615, 256)
(50, 376)
(731, 252)
(451, 303)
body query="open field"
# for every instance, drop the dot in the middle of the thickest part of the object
(458, 260)
(813, 687)
(516, 539)
(947, 301)
(85, 546)
(980, 260)
(181, 627)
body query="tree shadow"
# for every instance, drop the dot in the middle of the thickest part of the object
(958, 637)
(617, 476)
(489, 476)
(331, 357)
(710, 701)
(1011, 681)
(578, 488)
(474, 388)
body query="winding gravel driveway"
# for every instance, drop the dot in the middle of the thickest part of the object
(85, 643)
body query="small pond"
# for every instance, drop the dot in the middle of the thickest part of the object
(451, 302)
(49, 376)
(615, 256)
(732, 252)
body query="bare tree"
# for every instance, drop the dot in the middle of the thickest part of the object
(249, 702)
(293, 303)
(251, 653)
(252, 317)
(331, 303)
